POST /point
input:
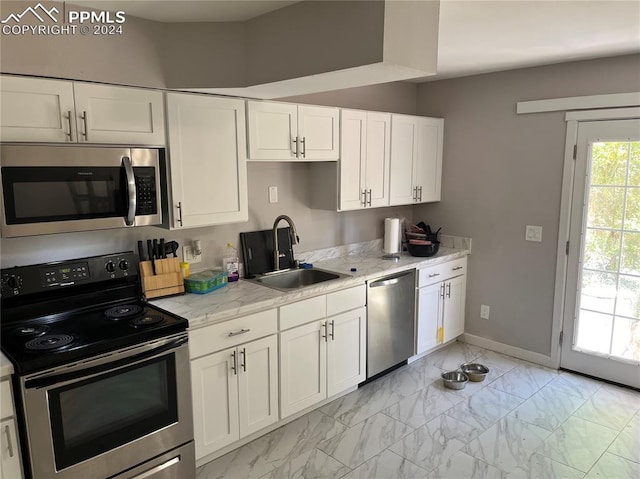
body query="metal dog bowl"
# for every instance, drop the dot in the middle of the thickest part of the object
(476, 372)
(454, 379)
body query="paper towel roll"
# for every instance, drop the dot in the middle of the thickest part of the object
(391, 235)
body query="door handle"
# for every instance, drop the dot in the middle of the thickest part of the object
(131, 190)
(333, 326)
(364, 198)
(304, 146)
(9, 443)
(324, 335)
(70, 129)
(179, 206)
(415, 193)
(244, 359)
(234, 364)
(448, 290)
(153, 471)
(369, 203)
(420, 193)
(295, 152)
(442, 291)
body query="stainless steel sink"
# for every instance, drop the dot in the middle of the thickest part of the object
(297, 278)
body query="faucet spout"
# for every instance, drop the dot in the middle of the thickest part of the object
(292, 233)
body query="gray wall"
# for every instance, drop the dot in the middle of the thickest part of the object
(502, 171)
(317, 228)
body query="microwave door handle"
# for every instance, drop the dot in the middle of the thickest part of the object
(131, 189)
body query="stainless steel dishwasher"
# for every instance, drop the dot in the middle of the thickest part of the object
(390, 321)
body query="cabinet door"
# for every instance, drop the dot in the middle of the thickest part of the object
(214, 383)
(346, 351)
(303, 367)
(404, 149)
(352, 155)
(453, 318)
(429, 159)
(258, 384)
(429, 316)
(10, 465)
(113, 114)
(32, 109)
(318, 132)
(207, 156)
(272, 131)
(377, 160)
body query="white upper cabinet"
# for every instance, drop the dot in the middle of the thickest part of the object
(114, 114)
(40, 110)
(364, 159)
(33, 109)
(289, 132)
(416, 159)
(207, 156)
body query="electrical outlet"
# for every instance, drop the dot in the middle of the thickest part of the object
(189, 256)
(273, 194)
(484, 311)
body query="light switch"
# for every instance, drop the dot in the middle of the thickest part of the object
(273, 194)
(534, 233)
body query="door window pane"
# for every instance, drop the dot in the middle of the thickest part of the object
(626, 339)
(628, 303)
(601, 250)
(634, 163)
(631, 253)
(598, 291)
(609, 163)
(632, 212)
(594, 331)
(605, 207)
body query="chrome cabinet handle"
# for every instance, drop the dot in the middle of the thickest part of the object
(434, 275)
(234, 364)
(324, 334)
(448, 290)
(131, 190)
(69, 120)
(442, 291)
(364, 198)
(9, 443)
(153, 471)
(369, 202)
(415, 193)
(304, 146)
(244, 359)
(85, 133)
(236, 333)
(333, 326)
(420, 193)
(295, 152)
(179, 206)
(457, 268)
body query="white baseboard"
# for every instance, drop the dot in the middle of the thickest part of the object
(519, 353)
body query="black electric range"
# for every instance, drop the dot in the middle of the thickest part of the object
(66, 311)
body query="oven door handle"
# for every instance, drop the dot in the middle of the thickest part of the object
(43, 382)
(131, 190)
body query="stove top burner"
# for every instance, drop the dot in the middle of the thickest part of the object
(49, 342)
(123, 312)
(146, 320)
(37, 330)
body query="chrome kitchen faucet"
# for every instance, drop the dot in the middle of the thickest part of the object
(292, 233)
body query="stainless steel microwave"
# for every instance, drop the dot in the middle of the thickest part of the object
(61, 189)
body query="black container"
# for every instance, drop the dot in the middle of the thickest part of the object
(423, 250)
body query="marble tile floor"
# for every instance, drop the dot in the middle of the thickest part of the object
(523, 421)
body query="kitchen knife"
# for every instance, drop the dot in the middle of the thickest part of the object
(150, 250)
(163, 252)
(155, 249)
(141, 251)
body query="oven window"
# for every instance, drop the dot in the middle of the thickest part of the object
(96, 415)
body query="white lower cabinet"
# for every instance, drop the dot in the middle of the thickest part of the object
(235, 393)
(10, 463)
(441, 304)
(325, 357)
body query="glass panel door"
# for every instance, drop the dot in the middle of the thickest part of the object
(602, 306)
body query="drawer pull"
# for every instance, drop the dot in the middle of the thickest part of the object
(9, 443)
(457, 268)
(236, 333)
(434, 275)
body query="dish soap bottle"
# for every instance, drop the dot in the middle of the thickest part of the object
(230, 262)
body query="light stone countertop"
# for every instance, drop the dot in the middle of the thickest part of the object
(244, 297)
(6, 368)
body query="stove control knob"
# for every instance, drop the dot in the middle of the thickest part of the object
(13, 282)
(110, 267)
(124, 265)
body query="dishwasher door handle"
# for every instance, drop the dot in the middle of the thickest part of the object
(386, 282)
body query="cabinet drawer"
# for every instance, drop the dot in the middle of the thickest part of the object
(6, 403)
(441, 272)
(346, 300)
(303, 312)
(233, 332)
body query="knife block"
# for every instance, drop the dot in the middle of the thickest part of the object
(166, 282)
